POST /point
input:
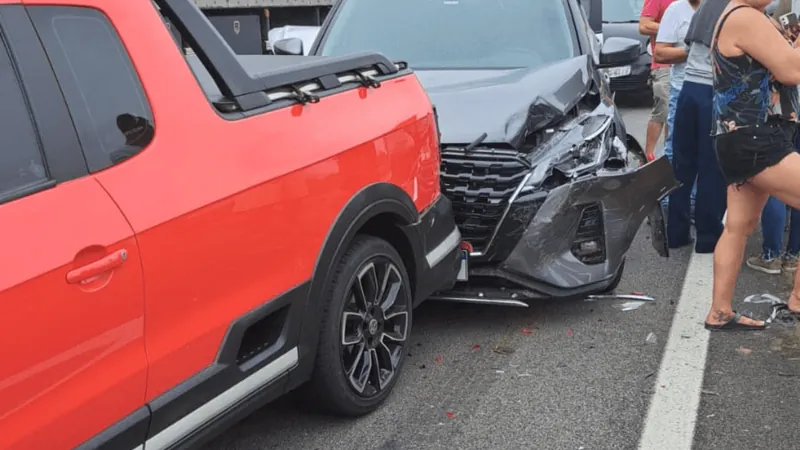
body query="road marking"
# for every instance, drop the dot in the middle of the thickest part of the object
(672, 416)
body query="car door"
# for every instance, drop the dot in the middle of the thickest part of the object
(71, 288)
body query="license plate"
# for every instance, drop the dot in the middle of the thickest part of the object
(616, 72)
(463, 272)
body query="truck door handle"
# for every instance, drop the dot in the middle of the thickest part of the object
(98, 267)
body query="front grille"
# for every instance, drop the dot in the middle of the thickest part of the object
(480, 184)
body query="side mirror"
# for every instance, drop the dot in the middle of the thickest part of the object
(618, 51)
(289, 46)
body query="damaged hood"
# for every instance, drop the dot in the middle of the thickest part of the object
(507, 104)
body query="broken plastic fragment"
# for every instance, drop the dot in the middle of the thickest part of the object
(476, 347)
(438, 360)
(629, 305)
(527, 331)
(503, 350)
(744, 350)
(651, 338)
(450, 415)
(639, 297)
(569, 333)
(763, 298)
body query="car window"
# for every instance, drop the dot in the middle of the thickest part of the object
(21, 163)
(455, 34)
(622, 11)
(100, 85)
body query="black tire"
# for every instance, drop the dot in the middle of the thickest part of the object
(330, 388)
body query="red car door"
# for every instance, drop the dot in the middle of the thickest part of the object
(71, 288)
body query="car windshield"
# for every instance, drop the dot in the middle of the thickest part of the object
(454, 34)
(622, 10)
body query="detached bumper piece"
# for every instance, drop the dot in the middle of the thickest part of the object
(566, 242)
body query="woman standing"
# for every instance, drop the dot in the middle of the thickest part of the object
(756, 72)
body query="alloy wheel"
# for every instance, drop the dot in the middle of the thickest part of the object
(374, 328)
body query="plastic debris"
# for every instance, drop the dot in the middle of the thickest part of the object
(763, 298)
(651, 338)
(438, 360)
(635, 296)
(503, 350)
(499, 372)
(744, 350)
(570, 333)
(527, 331)
(476, 347)
(629, 305)
(450, 415)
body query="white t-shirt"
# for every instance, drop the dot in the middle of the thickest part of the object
(672, 30)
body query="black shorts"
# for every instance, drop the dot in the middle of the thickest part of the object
(746, 152)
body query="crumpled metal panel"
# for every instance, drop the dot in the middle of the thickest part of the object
(222, 4)
(627, 197)
(508, 105)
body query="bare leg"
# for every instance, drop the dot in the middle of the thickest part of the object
(783, 182)
(744, 208)
(654, 130)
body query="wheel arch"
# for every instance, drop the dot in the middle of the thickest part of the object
(381, 209)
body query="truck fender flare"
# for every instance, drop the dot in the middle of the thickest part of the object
(369, 202)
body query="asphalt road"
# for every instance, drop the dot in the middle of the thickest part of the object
(583, 375)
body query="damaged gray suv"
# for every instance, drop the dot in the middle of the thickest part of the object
(548, 188)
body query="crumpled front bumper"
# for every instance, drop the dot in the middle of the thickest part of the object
(577, 239)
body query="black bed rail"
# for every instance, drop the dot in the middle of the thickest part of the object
(239, 87)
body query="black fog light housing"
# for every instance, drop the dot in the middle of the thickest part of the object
(589, 243)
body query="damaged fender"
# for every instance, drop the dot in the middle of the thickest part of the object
(625, 198)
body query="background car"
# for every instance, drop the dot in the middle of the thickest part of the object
(305, 33)
(621, 19)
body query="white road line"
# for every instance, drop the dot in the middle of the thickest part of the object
(672, 415)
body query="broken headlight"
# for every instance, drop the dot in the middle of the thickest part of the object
(578, 147)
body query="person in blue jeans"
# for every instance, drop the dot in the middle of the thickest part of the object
(671, 49)
(773, 222)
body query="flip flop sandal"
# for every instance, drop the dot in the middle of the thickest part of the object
(735, 325)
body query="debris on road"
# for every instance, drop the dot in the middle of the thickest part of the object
(744, 350)
(629, 305)
(503, 350)
(450, 415)
(570, 333)
(763, 298)
(438, 360)
(651, 338)
(635, 296)
(476, 347)
(631, 302)
(527, 331)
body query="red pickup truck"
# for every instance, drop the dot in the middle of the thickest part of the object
(181, 245)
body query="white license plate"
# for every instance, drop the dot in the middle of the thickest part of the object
(463, 272)
(616, 72)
